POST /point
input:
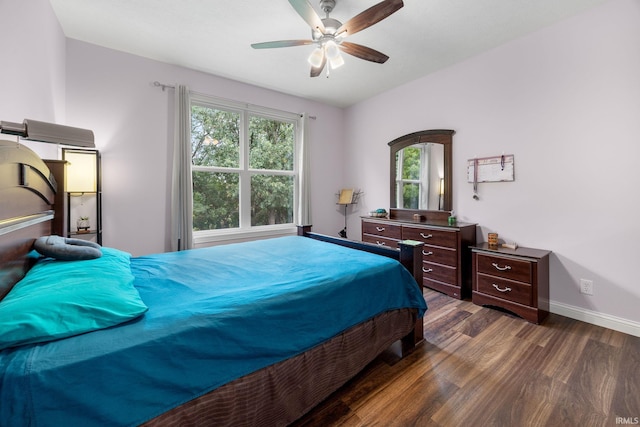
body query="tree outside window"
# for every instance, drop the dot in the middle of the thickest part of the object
(243, 168)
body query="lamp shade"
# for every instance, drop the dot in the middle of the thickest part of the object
(49, 132)
(315, 59)
(58, 134)
(82, 172)
(336, 61)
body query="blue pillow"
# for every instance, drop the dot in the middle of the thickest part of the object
(58, 299)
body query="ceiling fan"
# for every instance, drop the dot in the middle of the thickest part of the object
(328, 34)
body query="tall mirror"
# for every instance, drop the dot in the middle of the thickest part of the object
(421, 170)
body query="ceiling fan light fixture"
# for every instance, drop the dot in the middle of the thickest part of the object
(332, 49)
(315, 59)
(336, 61)
(333, 54)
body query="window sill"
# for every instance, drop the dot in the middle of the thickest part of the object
(210, 238)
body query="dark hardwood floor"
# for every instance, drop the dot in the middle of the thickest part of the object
(483, 367)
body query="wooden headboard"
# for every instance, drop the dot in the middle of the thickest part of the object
(27, 191)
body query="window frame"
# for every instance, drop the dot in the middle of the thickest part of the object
(246, 231)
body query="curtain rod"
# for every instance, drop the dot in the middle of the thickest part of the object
(165, 86)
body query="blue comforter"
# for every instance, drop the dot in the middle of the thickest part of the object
(214, 315)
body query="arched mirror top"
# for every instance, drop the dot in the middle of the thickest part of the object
(421, 170)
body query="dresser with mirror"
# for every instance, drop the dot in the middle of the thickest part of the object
(420, 206)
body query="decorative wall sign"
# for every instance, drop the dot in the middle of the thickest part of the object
(491, 169)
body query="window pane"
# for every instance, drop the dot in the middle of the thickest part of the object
(215, 137)
(271, 200)
(216, 200)
(411, 163)
(271, 144)
(410, 195)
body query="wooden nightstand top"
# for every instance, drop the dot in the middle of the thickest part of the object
(518, 252)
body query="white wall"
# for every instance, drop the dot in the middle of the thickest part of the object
(566, 102)
(32, 68)
(113, 94)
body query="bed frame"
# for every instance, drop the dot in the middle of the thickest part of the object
(27, 211)
(27, 191)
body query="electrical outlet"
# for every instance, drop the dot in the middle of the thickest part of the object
(586, 287)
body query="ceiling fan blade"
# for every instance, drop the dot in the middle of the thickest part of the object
(308, 13)
(315, 71)
(370, 16)
(281, 43)
(363, 52)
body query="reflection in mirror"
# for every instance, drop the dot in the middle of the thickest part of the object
(420, 176)
(421, 170)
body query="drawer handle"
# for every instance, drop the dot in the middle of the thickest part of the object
(501, 290)
(380, 228)
(426, 236)
(505, 268)
(427, 253)
(381, 243)
(427, 270)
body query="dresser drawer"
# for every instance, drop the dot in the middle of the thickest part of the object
(392, 231)
(440, 255)
(520, 293)
(430, 236)
(507, 268)
(438, 272)
(380, 241)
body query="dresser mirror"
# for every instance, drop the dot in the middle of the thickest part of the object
(421, 174)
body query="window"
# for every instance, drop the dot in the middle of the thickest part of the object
(244, 168)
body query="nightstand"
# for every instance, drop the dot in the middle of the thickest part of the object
(516, 280)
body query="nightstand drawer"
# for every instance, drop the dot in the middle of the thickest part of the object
(440, 255)
(438, 272)
(505, 289)
(380, 241)
(508, 268)
(430, 236)
(381, 229)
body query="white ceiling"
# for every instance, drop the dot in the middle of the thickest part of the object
(214, 36)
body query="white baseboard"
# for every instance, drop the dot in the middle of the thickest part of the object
(595, 318)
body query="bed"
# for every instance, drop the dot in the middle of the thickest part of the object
(256, 333)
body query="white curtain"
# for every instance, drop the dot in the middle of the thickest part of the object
(304, 198)
(181, 193)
